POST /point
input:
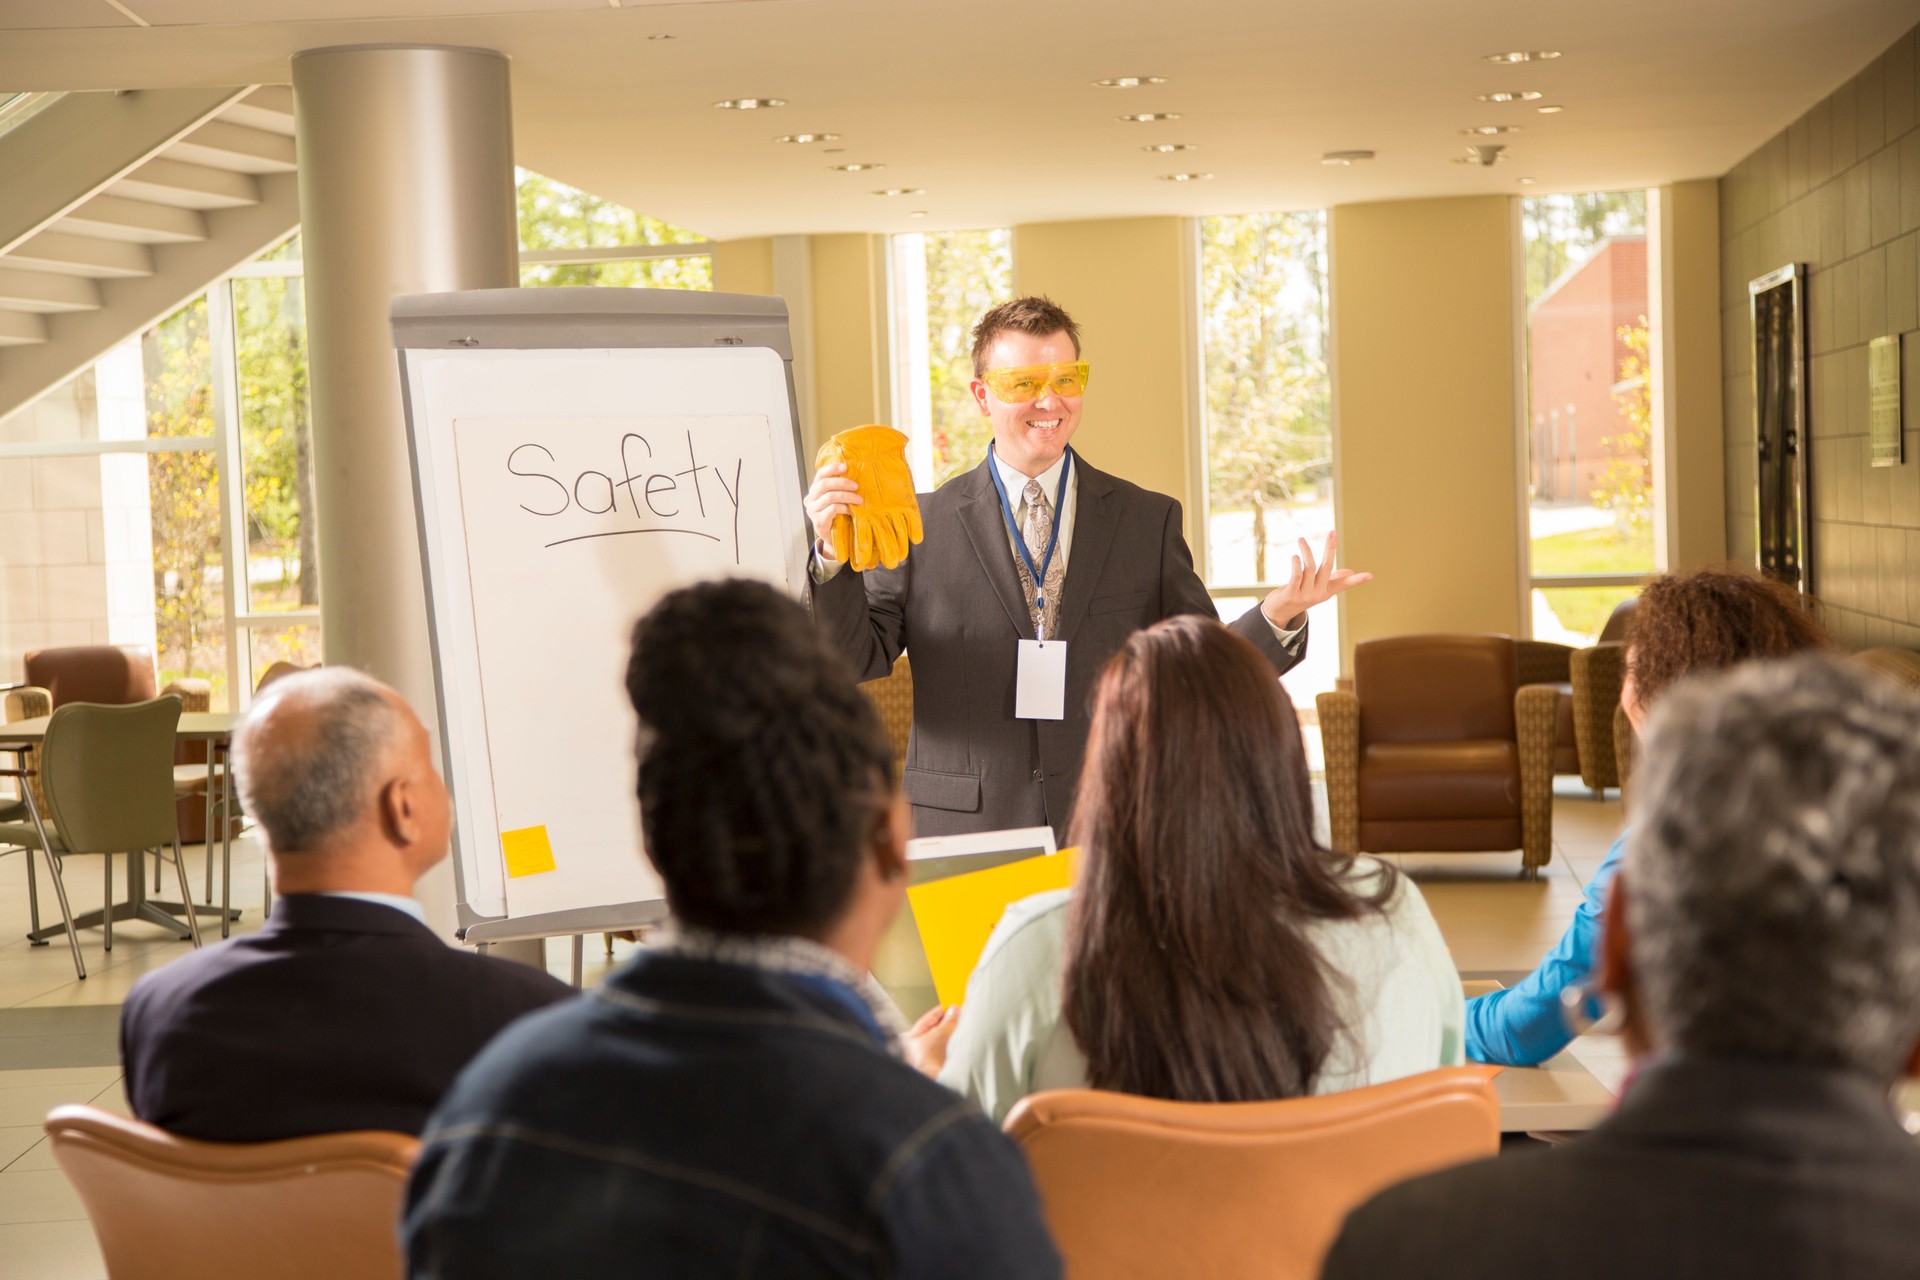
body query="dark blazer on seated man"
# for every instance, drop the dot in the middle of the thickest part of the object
(339, 1014)
(345, 1011)
(1761, 963)
(1708, 1169)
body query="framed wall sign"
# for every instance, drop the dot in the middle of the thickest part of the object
(1783, 510)
(1883, 400)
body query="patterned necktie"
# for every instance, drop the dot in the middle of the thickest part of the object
(1038, 532)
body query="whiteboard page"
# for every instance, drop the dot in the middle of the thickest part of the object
(573, 528)
(581, 402)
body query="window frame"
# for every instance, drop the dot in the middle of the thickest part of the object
(1659, 280)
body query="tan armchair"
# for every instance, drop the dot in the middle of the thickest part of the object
(1437, 748)
(1142, 1187)
(1545, 663)
(301, 1209)
(892, 696)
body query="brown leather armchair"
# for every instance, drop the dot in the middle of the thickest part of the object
(1437, 748)
(1143, 1187)
(1545, 663)
(93, 673)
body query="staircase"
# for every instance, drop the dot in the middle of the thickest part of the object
(116, 208)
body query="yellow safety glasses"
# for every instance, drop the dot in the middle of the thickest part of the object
(1020, 386)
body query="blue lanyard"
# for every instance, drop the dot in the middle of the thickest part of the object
(1037, 576)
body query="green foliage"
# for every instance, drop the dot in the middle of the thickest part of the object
(1263, 318)
(1626, 487)
(1561, 232)
(1584, 610)
(556, 216)
(270, 330)
(184, 492)
(967, 272)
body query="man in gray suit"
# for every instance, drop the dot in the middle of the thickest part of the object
(1034, 570)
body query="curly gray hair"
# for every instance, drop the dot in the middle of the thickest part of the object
(1773, 871)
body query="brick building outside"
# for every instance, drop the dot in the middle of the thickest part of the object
(1575, 356)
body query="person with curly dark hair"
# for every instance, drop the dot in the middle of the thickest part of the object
(733, 1100)
(1709, 620)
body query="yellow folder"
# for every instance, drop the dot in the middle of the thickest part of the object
(956, 916)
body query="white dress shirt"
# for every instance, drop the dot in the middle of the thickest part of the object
(406, 906)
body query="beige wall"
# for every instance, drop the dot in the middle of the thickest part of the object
(851, 376)
(1838, 190)
(1123, 280)
(1422, 306)
(743, 266)
(1688, 372)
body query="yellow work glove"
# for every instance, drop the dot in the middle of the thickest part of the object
(887, 518)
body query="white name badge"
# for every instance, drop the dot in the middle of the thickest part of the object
(1040, 685)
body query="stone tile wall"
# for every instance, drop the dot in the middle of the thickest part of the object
(1839, 190)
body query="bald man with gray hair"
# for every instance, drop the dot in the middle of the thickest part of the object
(1761, 960)
(345, 1011)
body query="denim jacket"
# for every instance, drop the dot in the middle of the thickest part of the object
(716, 1111)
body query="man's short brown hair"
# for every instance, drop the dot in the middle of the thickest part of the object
(1039, 316)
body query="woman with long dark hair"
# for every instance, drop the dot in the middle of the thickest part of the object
(1213, 952)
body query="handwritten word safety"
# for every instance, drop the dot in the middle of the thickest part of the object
(639, 492)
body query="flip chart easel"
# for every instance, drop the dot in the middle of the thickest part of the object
(578, 453)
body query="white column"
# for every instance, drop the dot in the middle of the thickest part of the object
(406, 186)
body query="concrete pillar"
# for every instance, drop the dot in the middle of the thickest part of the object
(406, 186)
(1424, 305)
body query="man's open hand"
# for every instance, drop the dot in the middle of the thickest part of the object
(1309, 584)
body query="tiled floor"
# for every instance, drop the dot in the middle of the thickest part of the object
(57, 1043)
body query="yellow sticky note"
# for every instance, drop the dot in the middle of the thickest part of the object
(528, 851)
(956, 916)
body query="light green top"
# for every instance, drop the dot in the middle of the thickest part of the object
(1405, 1010)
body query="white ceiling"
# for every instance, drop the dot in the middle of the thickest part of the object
(987, 103)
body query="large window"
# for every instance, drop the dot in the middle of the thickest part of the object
(1589, 426)
(942, 283)
(125, 493)
(571, 237)
(1266, 401)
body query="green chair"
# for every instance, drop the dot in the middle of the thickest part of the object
(107, 772)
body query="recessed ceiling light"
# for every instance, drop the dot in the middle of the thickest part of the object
(1551, 109)
(1185, 177)
(1523, 55)
(808, 137)
(918, 213)
(1526, 182)
(1166, 148)
(1516, 95)
(1490, 130)
(902, 191)
(854, 168)
(833, 151)
(1150, 117)
(1345, 157)
(662, 36)
(749, 104)
(1128, 82)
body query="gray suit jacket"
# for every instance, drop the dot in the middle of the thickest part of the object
(957, 607)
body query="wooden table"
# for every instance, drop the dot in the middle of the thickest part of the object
(215, 728)
(1558, 1096)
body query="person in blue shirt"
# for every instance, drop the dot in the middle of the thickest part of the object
(1703, 621)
